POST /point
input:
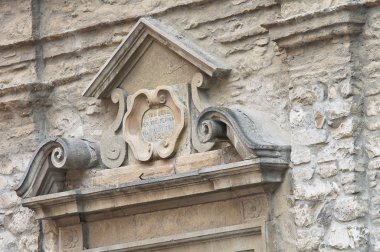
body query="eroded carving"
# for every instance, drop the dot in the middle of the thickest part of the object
(113, 149)
(153, 124)
(46, 172)
(254, 207)
(71, 238)
(222, 124)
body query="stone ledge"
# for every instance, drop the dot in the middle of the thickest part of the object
(221, 181)
(311, 27)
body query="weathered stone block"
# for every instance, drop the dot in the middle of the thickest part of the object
(374, 163)
(349, 164)
(338, 237)
(21, 221)
(303, 172)
(373, 123)
(373, 146)
(309, 239)
(345, 129)
(373, 105)
(350, 208)
(339, 108)
(298, 117)
(338, 149)
(8, 242)
(9, 199)
(327, 170)
(324, 216)
(309, 136)
(348, 177)
(306, 95)
(348, 237)
(16, 21)
(303, 214)
(315, 190)
(373, 87)
(300, 154)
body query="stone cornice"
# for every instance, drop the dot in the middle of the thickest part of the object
(311, 27)
(132, 48)
(219, 180)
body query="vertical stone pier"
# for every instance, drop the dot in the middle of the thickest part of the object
(328, 138)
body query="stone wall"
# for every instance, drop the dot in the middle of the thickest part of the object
(324, 96)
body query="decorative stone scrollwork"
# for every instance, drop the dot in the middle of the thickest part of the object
(199, 84)
(225, 124)
(113, 148)
(46, 172)
(153, 124)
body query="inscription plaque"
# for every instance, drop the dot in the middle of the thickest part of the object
(154, 123)
(157, 124)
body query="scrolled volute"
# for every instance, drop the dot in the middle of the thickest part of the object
(245, 134)
(46, 172)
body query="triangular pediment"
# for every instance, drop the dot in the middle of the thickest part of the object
(149, 54)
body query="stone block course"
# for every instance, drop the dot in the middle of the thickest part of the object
(323, 94)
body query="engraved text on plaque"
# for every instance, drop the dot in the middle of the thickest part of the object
(157, 124)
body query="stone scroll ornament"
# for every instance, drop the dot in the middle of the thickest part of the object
(47, 169)
(154, 123)
(199, 83)
(113, 148)
(225, 124)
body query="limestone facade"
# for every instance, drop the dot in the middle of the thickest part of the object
(305, 70)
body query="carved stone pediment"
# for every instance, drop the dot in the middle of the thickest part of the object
(152, 55)
(157, 121)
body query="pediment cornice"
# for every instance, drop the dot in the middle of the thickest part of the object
(132, 48)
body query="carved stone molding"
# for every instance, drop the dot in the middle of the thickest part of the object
(71, 238)
(46, 172)
(311, 27)
(153, 124)
(265, 173)
(221, 124)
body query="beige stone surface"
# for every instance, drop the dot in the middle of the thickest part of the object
(323, 94)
